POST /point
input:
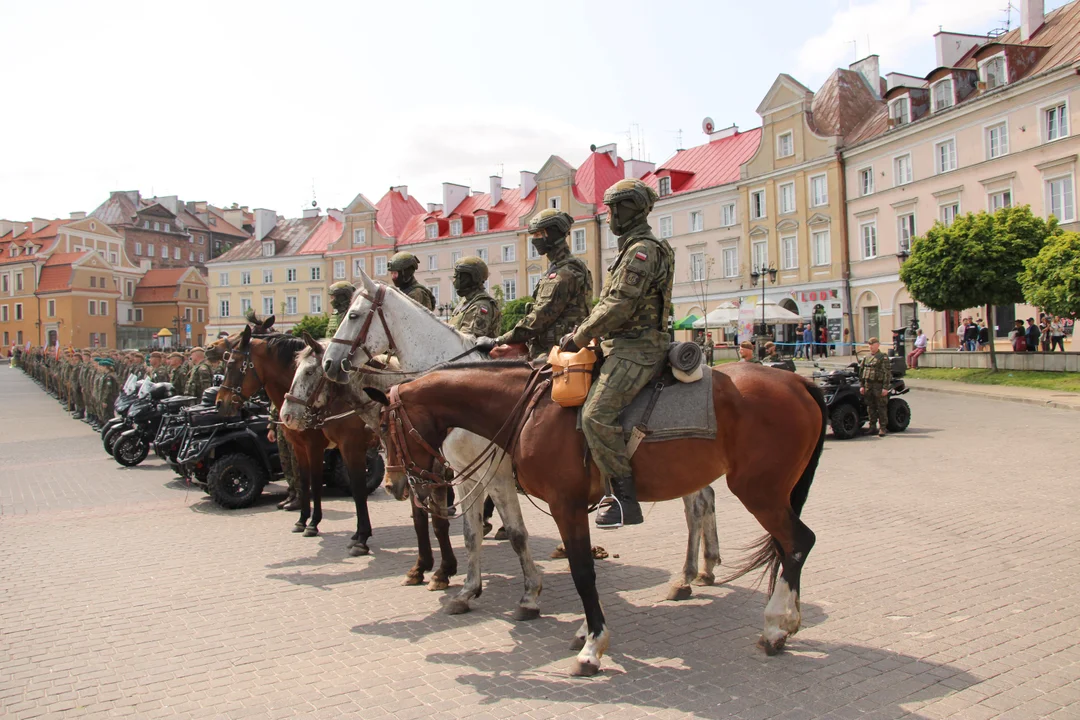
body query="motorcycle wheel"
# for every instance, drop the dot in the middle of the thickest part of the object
(899, 415)
(845, 421)
(130, 451)
(235, 481)
(108, 440)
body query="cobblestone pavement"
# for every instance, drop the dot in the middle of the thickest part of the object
(942, 585)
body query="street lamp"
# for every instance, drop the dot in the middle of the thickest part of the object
(760, 274)
(445, 309)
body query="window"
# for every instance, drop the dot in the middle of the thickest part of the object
(994, 72)
(380, 266)
(18, 337)
(787, 198)
(202, 239)
(866, 181)
(945, 156)
(7, 339)
(130, 288)
(868, 233)
(819, 190)
(949, 213)
(482, 254)
(533, 255)
(555, 203)
(19, 281)
(166, 226)
(943, 95)
(268, 277)
(481, 223)
(290, 275)
(187, 314)
(578, 237)
(612, 240)
(359, 267)
(245, 305)
(731, 261)
(50, 308)
(315, 303)
(509, 286)
(534, 280)
(789, 252)
(339, 269)
(905, 232)
(268, 305)
(760, 254)
(665, 226)
(223, 308)
(1000, 200)
(1056, 122)
(1060, 198)
(316, 272)
(202, 257)
(176, 253)
(997, 140)
(431, 231)
(3, 313)
(455, 227)
(138, 248)
(697, 221)
(455, 256)
(785, 145)
(665, 186)
(509, 253)
(196, 293)
(359, 236)
(727, 214)
(223, 279)
(92, 309)
(200, 315)
(899, 111)
(697, 266)
(157, 226)
(93, 281)
(5, 283)
(819, 242)
(103, 307)
(150, 250)
(757, 204)
(245, 277)
(434, 289)
(902, 170)
(268, 249)
(146, 224)
(139, 315)
(191, 256)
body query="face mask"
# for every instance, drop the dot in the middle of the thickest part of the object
(540, 245)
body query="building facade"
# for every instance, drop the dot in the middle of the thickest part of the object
(176, 299)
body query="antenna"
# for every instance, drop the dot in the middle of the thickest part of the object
(314, 202)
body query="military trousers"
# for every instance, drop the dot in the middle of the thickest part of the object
(620, 381)
(876, 405)
(289, 466)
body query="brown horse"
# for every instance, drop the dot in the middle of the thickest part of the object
(771, 428)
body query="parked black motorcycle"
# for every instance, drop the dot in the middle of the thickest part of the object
(847, 407)
(143, 421)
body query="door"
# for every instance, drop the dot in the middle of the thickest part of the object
(52, 338)
(871, 326)
(907, 314)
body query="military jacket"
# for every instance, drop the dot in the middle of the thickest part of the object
(420, 294)
(477, 315)
(160, 373)
(560, 304)
(178, 377)
(631, 314)
(876, 369)
(199, 380)
(109, 390)
(334, 323)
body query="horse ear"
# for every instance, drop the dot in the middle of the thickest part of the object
(369, 284)
(245, 336)
(312, 343)
(268, 323)
(377, 395)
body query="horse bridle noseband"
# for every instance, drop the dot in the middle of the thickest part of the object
(246, 365)
(357, 343)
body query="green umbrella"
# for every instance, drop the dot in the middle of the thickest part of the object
(687, 323)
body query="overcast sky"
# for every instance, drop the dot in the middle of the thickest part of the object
(254, 102)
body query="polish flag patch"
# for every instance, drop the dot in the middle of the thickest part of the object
(552, 276)
(641, 256)
(483, 311)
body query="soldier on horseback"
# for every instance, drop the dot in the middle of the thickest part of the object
(402, 267)
(341, 294)
(476, 314)
(631, 318)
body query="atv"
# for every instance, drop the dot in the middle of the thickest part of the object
(846, 406)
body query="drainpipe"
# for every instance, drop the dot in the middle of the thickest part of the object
(845, 252)
(599, 254)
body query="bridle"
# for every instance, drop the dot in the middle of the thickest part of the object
(358, 343)
(247, 364)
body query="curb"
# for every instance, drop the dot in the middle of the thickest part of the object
(1026, 401)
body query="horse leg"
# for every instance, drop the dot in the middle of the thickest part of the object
(680, 589)
(356, 464)
(440, 580)
(425, 560)
(573, 522)
(315, 483)
(474, 538)
(505, 497)
(708, 531)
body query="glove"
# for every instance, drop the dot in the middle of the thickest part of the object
(567, 343)
(485, 344)
(504, 338)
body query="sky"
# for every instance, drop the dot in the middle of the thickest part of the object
(271, 104)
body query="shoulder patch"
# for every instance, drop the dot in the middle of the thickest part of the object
(483, 310)
(552, 276)
(641, 255)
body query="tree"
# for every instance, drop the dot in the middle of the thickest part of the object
(1051, 279)
(975, 261)
(512, 312)
(315, 325)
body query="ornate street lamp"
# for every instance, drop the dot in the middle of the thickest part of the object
(760, 274)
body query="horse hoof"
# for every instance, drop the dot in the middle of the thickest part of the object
(679, 592)
(311, 531)
(705, 579)
(559, 553)
(525, 614)
(436, 585)
(500, 534)
(413, 579)
(583, 669)
(359, 549)
(457, 607)
(487, 528)
(772, 647)
(349, 546)
(577, 643)
(299, 528)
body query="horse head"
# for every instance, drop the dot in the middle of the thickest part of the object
(241, 380)
(307, 398)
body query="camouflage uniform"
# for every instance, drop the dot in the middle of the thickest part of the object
(178, 377)
(404, 264)
(875, 374)
(201, 378)
(109, 390)
(340, 297)
(289, 465)
(561, 298)
(476, 314)
(631, 316)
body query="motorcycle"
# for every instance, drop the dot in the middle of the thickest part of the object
(144, 420)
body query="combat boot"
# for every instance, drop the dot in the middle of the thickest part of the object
(621, 507)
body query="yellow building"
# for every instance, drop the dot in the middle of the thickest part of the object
(172, 298)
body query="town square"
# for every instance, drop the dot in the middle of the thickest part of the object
(774, 422)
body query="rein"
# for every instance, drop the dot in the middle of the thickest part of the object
(246, 365)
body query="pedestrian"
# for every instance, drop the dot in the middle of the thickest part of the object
(1032, 335)
(971, 336)
(1057, 334)
(1018, 338)
(710, 348)
(201, 376)
(746, 352)
(808, 341)
(823, 339)
(984, 336)
(918, 349)
(798, 340)
(875, 374)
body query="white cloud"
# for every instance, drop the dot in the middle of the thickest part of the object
(900, 31)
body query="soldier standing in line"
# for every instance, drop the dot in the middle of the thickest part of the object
(177, 371)
(875, 374)
(109, 388)
(402, 266)
(631, 317)
(159, 372)
(289, 465)
(476, 314)
(201, 376)
(561, 298)
(341, 294)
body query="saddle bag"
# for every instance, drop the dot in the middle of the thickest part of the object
(571, 376)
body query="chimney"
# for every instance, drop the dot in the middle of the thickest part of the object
(636, 169)
(434, 207)
(495, 188)
(77, 215)
(611, 150)
(951, 47)
(870, 70)
(1031, 17)
(38, 224)
(528, 183)
(265, 221)
(5, 227)
(403, 189)
(311, 213)
(170, 201)
(452, 195)
(724, 132)
(336, 214)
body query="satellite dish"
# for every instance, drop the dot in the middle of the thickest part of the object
(707, 126)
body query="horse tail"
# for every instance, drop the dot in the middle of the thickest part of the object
(766, 552)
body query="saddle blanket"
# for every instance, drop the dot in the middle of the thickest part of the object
(684, 410)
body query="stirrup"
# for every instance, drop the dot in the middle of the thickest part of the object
(606, 502)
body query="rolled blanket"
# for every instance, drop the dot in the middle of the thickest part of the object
(685, 356)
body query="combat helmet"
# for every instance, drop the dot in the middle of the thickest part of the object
(473, 268)
(342, 288)
(630, 202)
(554, 226)
(404, 264)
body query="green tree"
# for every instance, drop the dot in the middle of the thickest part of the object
(1051, 279)
(976, 261)
(512, 312)
(313, 324)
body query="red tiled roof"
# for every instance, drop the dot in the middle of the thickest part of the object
(505, 215)
(595, 176)
(394, 211)
(119, 209)
(842, 104)
(162, 277)
(1060, 34)
(714, 163)
(326, 234)
(58, 271)
(68, 258)
(161, 284)
(289, 236)
(223, 226)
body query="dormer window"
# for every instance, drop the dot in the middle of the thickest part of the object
(268, 249)
(665, 186)
(455, 227)
(900, 111)
(14, 251)
(943, 94)
(359, 236)
(993, 72)
(785, 145)
(431, 232)
(481, 223)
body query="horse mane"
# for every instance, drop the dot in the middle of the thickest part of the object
(284, 347)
